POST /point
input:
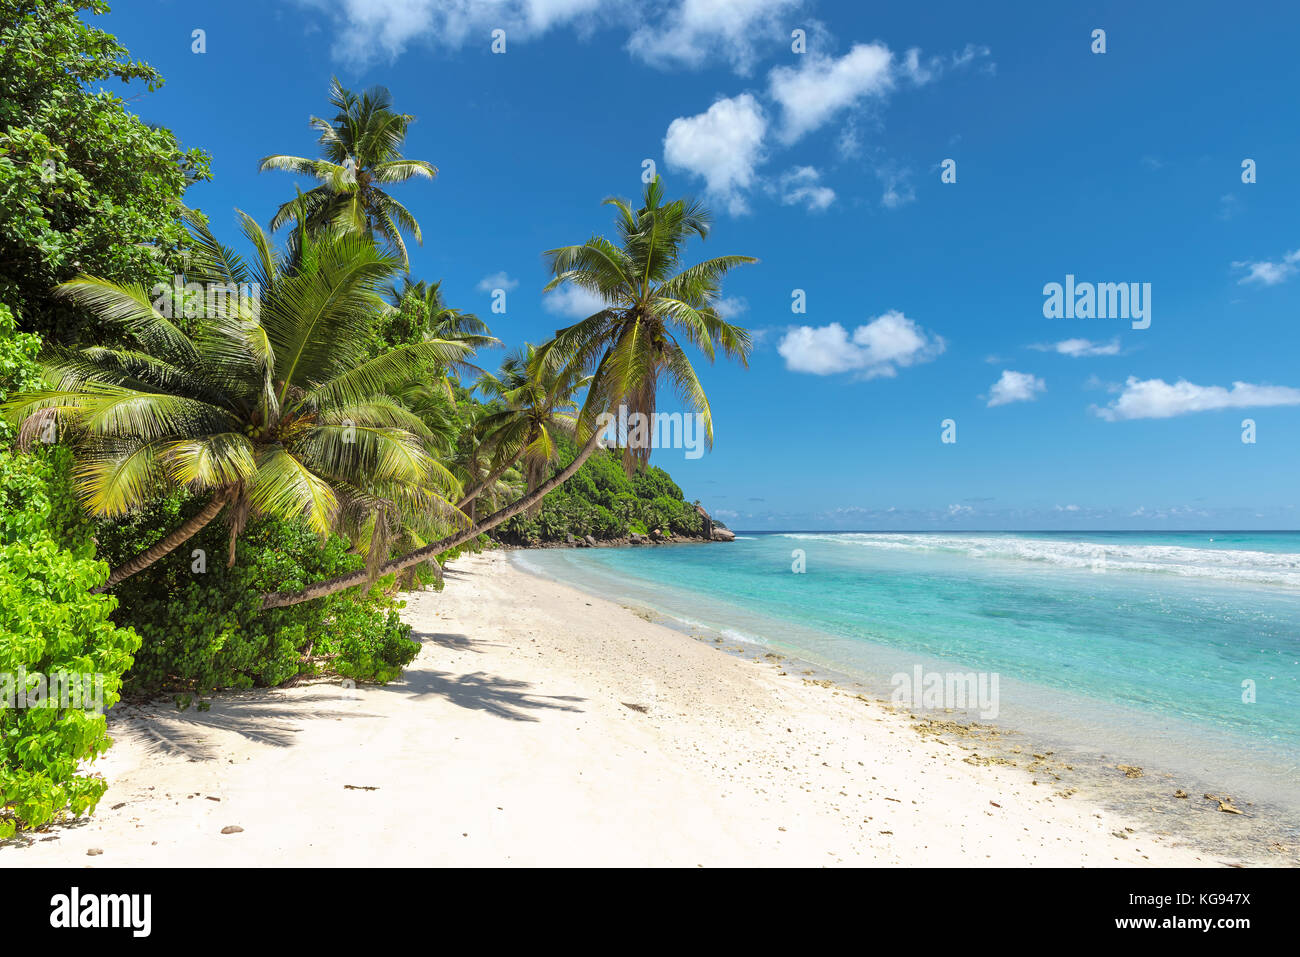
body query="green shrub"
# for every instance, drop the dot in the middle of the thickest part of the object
(51, 624)
(18, 368)
(201, 621)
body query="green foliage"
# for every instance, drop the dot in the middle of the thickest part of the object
(201, 622)
(600, 500)
(275, 407)
(85, 185)
(51, 624)
(19, 370)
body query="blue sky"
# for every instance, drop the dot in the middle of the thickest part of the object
(925, 299)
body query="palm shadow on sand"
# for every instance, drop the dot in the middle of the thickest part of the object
(266, 716)
(479, 691)
(273, 717)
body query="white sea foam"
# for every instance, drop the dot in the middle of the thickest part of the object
(1236, 565)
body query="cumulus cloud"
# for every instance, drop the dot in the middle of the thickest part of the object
(821, 86)
(1269, 273)
(727, 143)
(878, 348)
(723, 145)
(372, 30)
(498, 280)
(689, 33)
(1157, 399)
(1015, 387)
(573, 302)
(696, 32)
(1080, 348)
(801, 186)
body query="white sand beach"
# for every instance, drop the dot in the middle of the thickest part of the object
(541, 726)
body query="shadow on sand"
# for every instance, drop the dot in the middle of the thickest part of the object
(274, 716)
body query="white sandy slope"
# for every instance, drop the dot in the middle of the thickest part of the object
(508, 742)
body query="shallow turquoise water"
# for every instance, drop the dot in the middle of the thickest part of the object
(1119, 641)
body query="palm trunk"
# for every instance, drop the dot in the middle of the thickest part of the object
(282, 599)
(169, 544)
(495, 474)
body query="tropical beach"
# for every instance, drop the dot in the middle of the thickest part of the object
(549, 727)
(621, 435)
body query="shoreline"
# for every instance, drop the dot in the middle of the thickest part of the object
(539, 726)
(1142, 787)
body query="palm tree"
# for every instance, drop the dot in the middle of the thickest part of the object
(269, 407)
(538, 402)
(631, 343)
(634, 343)
(416, 312)
(425, 315)
(361, 150)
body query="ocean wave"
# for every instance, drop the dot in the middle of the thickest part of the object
(1234, 565)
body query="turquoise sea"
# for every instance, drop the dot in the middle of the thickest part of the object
(1117, 647)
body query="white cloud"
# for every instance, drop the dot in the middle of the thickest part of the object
(691, 33)
(1157, 399)
(572, 301)
(821, 86)
(875, 349)
(698, 32)
(498, 280)
(723, 145)
(920, 72)
(1269, 273)
(371, 30)
(955, 510)
(1080, 348)
(1015, 387)
(849, 143)
(897, 188)
(801, 186)
(731, 307)
(726, 144)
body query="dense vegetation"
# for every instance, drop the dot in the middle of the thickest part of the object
(603, 501)
(50, 623)
(221, 468)
(85, 185)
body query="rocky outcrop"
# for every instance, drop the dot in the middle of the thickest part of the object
(723, 535)
(657, 535)
(707, 530)
(589, 541)
(636, 538)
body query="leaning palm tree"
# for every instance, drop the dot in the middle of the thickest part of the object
(634, 344)
(269, 407)
(630, 346)
(537, 403)
(361, 154)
